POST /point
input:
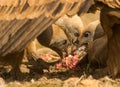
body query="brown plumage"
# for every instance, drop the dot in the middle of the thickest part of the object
(23, 20)
(110, 20)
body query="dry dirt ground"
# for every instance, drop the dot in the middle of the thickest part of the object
(42, 74)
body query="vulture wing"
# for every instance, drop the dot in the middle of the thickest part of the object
(23, 20)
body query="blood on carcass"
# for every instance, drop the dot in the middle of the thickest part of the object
(71, 61)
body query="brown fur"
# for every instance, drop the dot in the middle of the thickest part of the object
(110, 20)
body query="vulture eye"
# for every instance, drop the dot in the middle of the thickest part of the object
(64, 42)
(76, 34)
(87, 34)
